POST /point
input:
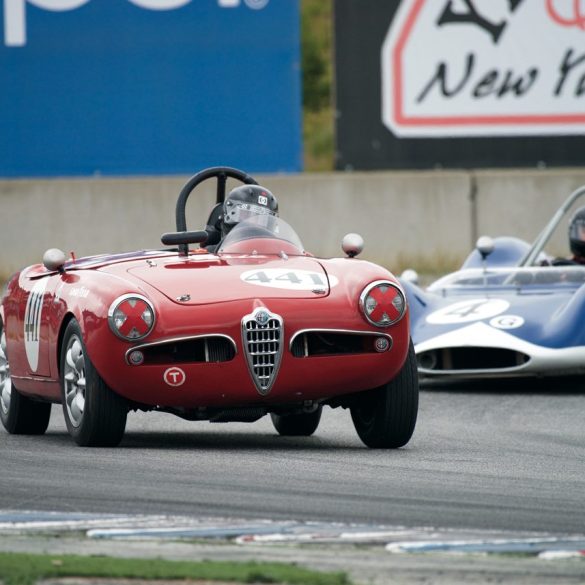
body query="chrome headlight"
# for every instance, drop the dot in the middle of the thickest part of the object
(131, 317)
(383, 303)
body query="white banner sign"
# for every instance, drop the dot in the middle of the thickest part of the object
(485, 68)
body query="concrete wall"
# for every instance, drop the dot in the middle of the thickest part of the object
(428, 220)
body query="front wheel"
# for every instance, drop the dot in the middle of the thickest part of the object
(297, 425)
(95, 416)
(385, 417)
(19, 414)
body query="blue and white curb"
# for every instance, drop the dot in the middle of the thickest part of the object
(395, 539)
(555, 555)
(536, 546)
(28, 521)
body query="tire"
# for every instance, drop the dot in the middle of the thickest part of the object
(297, 425)
(385, 417)
(95, 416)
(19, 414)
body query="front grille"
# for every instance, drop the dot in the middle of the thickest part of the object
(188, 350)
(334, 342)
(262, 340)
(219, 350)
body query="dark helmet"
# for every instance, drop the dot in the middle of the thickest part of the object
(247, 201)
(577, 233)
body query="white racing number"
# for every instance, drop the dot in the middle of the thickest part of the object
(288, 279)
(467, 311)
(32, 323)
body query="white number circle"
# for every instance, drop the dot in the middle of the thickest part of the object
(507, 322)
(467, 311)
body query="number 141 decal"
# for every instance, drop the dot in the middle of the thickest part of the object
(288, 279)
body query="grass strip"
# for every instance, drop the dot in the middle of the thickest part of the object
(27, 569)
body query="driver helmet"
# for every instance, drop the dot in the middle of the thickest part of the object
(247, 201)
(577, 233)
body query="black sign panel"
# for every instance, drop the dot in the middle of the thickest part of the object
(459, 84)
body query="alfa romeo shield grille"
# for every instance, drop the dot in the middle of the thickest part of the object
(262, 337)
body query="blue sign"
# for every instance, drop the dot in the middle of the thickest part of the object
(135, 87)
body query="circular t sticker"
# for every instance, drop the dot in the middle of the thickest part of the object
(174, 376)
(467, 311)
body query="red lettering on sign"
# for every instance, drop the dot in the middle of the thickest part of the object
(576, 19)
(513, 84)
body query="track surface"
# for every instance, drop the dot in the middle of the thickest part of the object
(507, 460)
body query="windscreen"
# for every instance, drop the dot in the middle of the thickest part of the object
(543, 277)
(269, 234)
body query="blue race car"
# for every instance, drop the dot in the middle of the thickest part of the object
(511, 310)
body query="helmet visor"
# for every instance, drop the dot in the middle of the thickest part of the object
(577, 230)
(239, 211)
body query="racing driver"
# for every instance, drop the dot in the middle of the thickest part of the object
(576, 240)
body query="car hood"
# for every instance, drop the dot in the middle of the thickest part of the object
(202, 281)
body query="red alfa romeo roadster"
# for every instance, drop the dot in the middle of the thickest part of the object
(242, 325)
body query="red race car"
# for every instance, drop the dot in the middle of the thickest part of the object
(246, 324)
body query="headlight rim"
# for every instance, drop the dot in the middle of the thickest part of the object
(364, 296)
(117, 302)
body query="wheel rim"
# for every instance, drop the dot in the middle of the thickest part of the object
(74, 380)
(5, 381)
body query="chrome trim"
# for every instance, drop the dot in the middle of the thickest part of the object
(366, 292)
(263, 388)
(342, 331)
(121, 299)
(179, 340)
(32, 379)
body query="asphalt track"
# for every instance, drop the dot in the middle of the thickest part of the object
(490, 457)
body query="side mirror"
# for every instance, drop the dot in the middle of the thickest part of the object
(54, 259)
(352, 245)
(485, 246)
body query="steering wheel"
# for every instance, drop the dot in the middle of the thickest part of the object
(182, 237)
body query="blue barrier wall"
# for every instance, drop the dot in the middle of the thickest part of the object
(120, 87)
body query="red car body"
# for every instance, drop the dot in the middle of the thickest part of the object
(203, 356)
